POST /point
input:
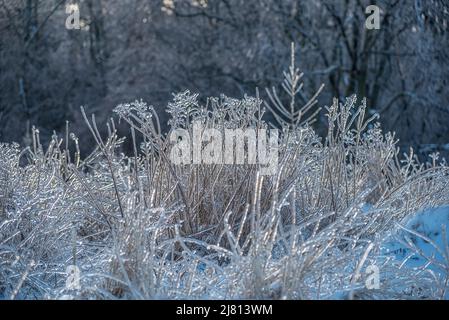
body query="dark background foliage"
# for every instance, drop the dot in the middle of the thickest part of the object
(135, 49)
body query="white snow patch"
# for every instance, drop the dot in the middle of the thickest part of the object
(429, 223)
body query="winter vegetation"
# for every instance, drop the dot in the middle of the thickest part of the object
(338, 209)
(93, 205)
(133, 49)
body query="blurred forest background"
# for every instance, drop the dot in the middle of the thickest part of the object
(136, 49)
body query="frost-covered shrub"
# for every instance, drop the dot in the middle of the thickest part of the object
(139, 226)
(36, 214)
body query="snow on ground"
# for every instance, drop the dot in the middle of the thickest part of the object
(431, 243)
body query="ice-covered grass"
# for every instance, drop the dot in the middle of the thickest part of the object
(140, 227)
